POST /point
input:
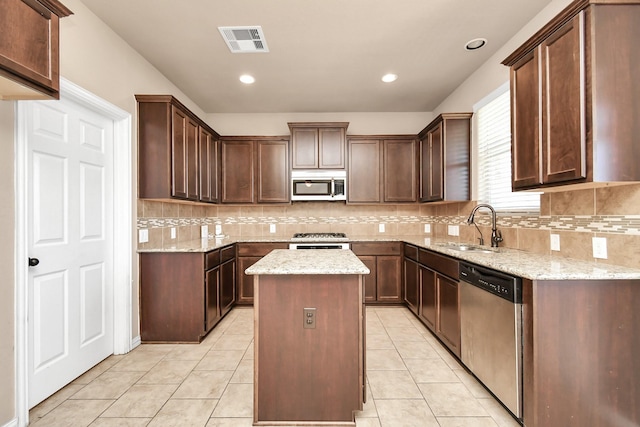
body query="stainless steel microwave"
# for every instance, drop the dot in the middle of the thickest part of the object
(318, 185)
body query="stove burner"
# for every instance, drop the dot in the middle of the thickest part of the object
(319, 236)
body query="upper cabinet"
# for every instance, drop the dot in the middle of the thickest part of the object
(318, 145)
(382, 169)
(29, 48)
(445, 146)
(255, 170)
(575, 98)
(177, 152)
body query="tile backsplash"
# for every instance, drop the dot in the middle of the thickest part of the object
(575, 216)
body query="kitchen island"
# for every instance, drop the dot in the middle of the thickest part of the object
(309, 337)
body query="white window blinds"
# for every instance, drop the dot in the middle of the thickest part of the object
(494, 159)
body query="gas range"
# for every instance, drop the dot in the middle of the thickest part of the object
(320, 236)
(319, 241)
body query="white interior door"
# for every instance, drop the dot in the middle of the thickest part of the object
(70, 233)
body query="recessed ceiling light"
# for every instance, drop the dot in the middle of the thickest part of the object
(388, 78)
(475, 44)
(247, 79)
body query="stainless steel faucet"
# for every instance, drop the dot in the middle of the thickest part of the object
(496, 236)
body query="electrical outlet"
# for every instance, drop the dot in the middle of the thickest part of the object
(143, 235)
(173, 232)
(599, 247)
(309, 318)
(218, 230)
(204, 231)
(555, 242)
(453, 230)
(427, 228)
(272, 228)
(381, 227)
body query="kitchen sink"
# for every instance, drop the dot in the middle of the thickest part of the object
(465, 247)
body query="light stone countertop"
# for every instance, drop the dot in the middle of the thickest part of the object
(308, 261)
(513, 261)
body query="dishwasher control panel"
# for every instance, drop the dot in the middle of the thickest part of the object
(498, 283)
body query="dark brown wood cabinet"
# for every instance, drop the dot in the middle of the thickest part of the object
(574, 102)
(318, 145)
(249, 254)
(382, 169)
(445, 162)
(432, 293)
(384, 284)
(209, 166)
(411, 277)
(30, 49)
(184, 295)
(255, 170)
(171, 143)
(227, 279)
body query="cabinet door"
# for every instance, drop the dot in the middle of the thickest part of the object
(431, 169)
(428, 299)
(227, 286)
(29, 49)
(184, 156)
(389, 272)
(331, 148)
(237, 171)
(371, 279)
(273, 171)
(563, 100)
(179, 154)
(400, 177)
(212, 281)
(305, 148)
(448, 324)
(411, 289)
(364, 171)
(245, 282)
(525, 125)
(209, 166)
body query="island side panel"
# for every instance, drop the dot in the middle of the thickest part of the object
(308, 375)
(586, 353)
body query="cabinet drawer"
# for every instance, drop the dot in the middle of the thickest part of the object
(442, 264)
(259, 249)
(212, 259)
(227, 253)
(411, 252)
(377, 248)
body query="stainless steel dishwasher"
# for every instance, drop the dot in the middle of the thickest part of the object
(491, 331)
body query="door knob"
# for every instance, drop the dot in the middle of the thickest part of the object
(33, 262)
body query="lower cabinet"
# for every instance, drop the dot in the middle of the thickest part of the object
(184, 295)
(249, 254)
(384, 260)
(227, 279)
(436, 288)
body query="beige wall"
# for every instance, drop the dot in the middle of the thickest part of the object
(7, 314)
(359, 123)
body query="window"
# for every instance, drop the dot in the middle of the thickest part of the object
(493, 123)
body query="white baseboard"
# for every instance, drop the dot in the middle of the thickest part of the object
(135, 342)
(12, 423)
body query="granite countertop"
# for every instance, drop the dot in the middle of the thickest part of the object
(517, 262)
(308, 261)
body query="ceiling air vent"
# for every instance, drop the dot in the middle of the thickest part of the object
(244, 39)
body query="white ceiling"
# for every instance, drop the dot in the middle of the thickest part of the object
(324, 55)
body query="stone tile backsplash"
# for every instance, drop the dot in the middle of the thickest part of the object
(576, 216)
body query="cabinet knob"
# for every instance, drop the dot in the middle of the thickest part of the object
(33, 262)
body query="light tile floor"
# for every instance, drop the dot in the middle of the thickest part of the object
(412, 381)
